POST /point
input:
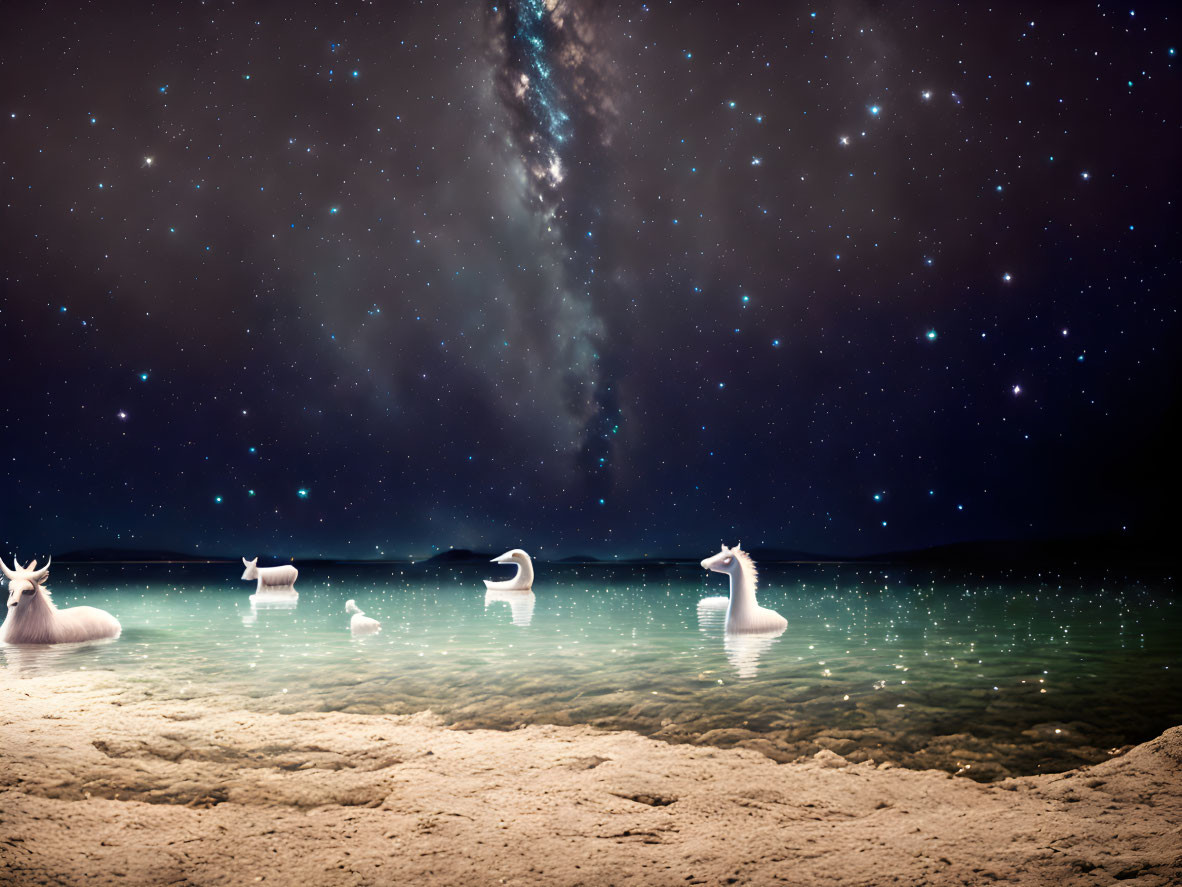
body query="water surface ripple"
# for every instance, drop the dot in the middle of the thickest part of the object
(975, 675)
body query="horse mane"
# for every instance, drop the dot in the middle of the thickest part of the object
(745, 560)
(44, 591)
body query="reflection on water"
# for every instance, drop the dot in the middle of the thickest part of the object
(282, 599)
(521, 604)
(27, 660)
(743, 649)
(918, 668)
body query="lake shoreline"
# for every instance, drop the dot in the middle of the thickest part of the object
(104, 783)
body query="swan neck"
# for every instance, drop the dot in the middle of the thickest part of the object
(525, 574)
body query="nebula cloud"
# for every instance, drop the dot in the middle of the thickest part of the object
(554, 85)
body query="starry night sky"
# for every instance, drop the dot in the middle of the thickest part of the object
(371, 280)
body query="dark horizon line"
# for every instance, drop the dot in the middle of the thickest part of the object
(1089, 548)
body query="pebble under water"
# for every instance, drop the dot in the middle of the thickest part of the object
(983, 676)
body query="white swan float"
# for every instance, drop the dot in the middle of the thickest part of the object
(521, 604)
(523, 581)
(33, 619)
(743, 614)
(270, 577)
(361, 624)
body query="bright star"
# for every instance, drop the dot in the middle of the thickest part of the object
(874, 109)
(122, 415)
(925, 95)
(1007, 277)
(845, 140)
(1017, 389)
(931, 334)
(302, 493)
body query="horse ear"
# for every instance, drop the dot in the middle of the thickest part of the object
(245, 562)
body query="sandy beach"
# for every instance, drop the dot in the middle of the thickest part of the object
(103, 784)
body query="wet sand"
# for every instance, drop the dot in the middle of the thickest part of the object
(101, 783)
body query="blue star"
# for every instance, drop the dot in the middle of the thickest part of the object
(302, 493)
(931, 335)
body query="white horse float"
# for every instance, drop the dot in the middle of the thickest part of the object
(743, 614)
(33, 619)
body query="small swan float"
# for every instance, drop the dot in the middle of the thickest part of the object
(361, 624)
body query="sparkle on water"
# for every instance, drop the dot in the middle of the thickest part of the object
(925, 669)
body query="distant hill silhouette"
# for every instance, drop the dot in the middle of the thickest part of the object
(459, 556)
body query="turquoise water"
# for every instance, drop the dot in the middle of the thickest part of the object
(975, 675)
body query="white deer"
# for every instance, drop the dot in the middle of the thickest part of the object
(270, 577)
(33, 619)
(523, 581)
(743, 614)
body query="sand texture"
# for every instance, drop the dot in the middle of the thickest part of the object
(100, 783)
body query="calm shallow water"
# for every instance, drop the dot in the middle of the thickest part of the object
(919, 668)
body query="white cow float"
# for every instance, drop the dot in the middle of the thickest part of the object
(270, 578)
(523, 581)
(743, 614)
(33, 619)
